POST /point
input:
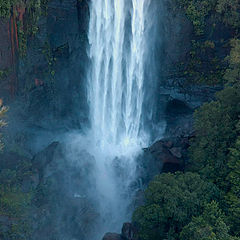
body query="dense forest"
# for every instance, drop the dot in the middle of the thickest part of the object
(203, 201)
(199, 201)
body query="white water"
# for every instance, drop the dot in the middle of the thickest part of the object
(117, 93)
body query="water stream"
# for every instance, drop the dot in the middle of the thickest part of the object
(119, 89)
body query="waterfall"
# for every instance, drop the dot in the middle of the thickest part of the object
(116, 79)
(119, 88)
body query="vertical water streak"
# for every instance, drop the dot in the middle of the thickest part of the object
(116, 100)
(118, 93)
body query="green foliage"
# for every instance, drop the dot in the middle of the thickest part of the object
(232, 196)
(205, 63)
(208, 226)
(47, 52)
(229, 11)
(22, 40)
(171, 201)
(34, 9)
(5, 6)
(232, 74)
(4, 73)
(215, 124)
(181, 206)
(197, 11)
(203, 66)
(15, 203)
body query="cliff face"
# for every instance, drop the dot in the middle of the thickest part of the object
(55, 64)
(49, 77)
(178, 96)
(46, 93)
(8, 51)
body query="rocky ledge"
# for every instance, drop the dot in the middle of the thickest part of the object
(128, 233)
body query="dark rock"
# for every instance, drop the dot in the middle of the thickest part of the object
(139, 197)
(165, 155)
(176, 151)
(168, 144)
(129, 232)
(162, 153)
(43, 160)
(112, 236)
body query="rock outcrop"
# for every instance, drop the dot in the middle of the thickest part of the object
(112, 236)
(129, 232)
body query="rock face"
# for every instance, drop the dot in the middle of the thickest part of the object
(129, 232)
(165, 155)
(5, 58)
(51, 76)
(176, 99)
(112, 236)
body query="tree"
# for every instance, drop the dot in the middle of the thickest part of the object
(233, 195)
(216, 128)
(208, 226)
(229, 10)
(232, 74)
(171, 201)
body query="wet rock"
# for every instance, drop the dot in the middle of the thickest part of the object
(49, 161)
(176, 151)
(112, 236)
(161, 152)
(129, 232)
(166, 155)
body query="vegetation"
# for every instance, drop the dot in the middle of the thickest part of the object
(14, 201)
(205, 63)
(171, 201)
(204, 202)
(24, 28)
(209, 225)
(15, 204)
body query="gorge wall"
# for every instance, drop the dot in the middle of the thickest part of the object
(50, 100)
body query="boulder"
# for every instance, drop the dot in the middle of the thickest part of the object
(43, 158)
(176, 151)
(129, 232)
(112, 236)
(166, 155)
(163, 152)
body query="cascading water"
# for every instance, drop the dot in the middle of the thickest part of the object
(119, 87)
(116, 80)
